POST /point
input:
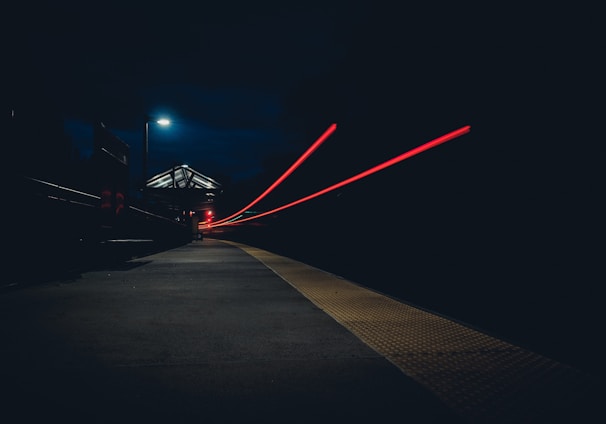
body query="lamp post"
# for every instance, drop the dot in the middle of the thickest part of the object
(148, 119)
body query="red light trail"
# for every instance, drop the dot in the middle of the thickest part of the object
(430, 144)
(285, 175)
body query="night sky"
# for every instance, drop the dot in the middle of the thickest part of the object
(250, 85)
(243, 81)
(221, 71)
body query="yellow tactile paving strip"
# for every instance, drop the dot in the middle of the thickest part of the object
(484, 379)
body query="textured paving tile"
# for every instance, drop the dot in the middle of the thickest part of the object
(483, 378)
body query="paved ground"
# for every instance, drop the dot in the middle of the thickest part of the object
(220, 332)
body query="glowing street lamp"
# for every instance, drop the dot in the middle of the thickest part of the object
(148, 119)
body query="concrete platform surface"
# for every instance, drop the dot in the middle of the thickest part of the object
(220, 332)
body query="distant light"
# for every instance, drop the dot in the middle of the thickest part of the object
(163, 121)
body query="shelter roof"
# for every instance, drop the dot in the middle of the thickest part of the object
(182, 176)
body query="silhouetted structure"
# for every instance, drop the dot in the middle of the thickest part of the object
(186, 193)
(110, 167)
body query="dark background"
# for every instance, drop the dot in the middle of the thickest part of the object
(501, 228)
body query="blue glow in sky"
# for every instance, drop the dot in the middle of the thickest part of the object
(216, 131)
(221, 73)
